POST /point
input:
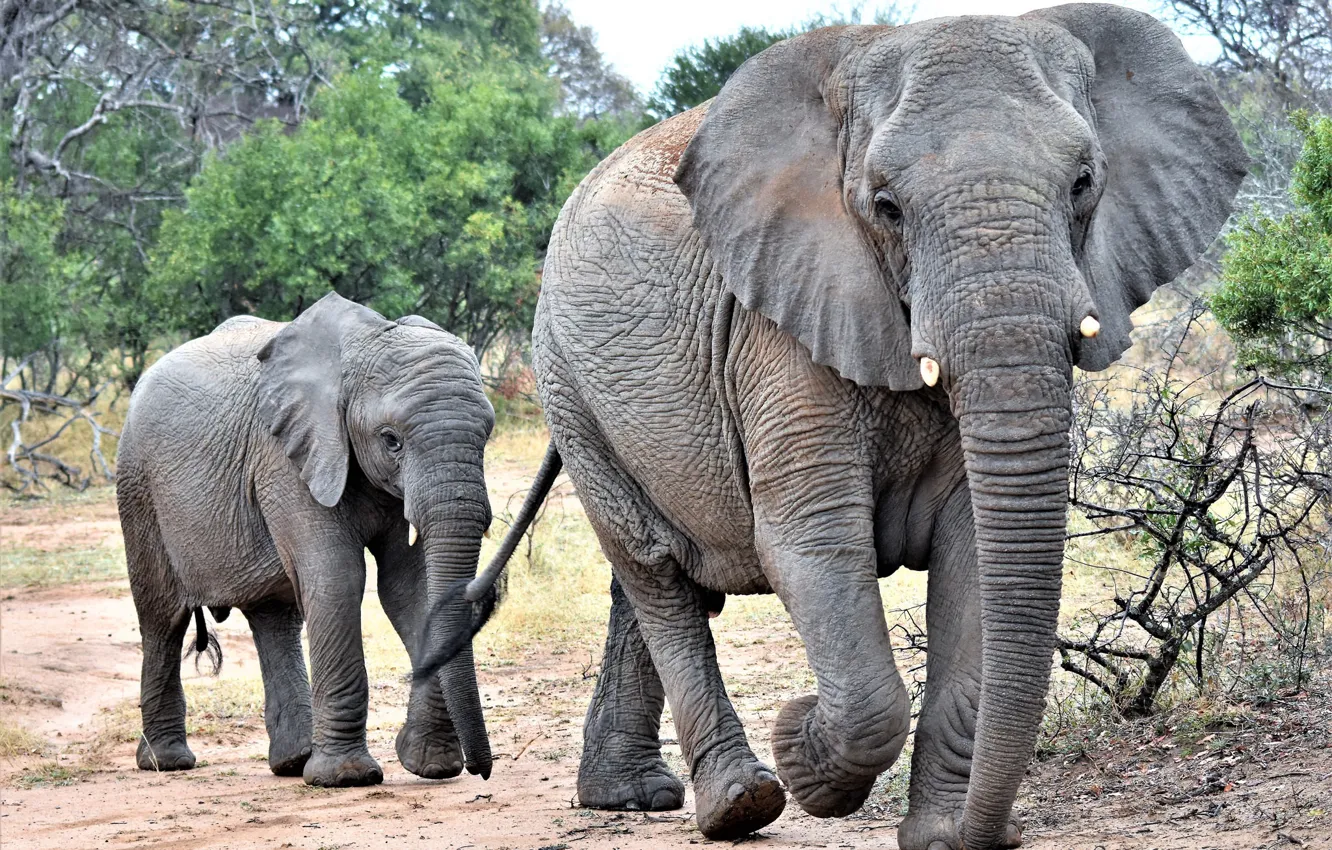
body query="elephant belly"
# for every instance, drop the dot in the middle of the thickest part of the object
(218, 544)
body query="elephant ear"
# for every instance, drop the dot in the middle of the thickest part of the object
(300, 390)
(763, 175)
(1175, 163)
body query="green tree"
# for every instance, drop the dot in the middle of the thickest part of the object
(32, 272)
(488, 29)
(107, 110)
(1276, 292)
(440, 207)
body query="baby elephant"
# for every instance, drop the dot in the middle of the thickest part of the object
(256, 466)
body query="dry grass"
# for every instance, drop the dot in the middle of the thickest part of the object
(17, 742)
(23, 567)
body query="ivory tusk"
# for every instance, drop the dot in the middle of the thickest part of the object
(411, 534)
(929, 371)
(1089, 327)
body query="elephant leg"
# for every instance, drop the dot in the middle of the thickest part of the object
(622, 767)
(163, 621)
(427, 745)
(946, 729)
(735, 793)
(820, 558)
(330, 591)
(161, 698)
(287, 712)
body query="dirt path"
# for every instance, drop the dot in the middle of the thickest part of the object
(71, 652)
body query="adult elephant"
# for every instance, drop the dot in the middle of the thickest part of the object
(256, 466)
(825, 327)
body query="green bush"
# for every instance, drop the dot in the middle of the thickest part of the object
(1276, 292)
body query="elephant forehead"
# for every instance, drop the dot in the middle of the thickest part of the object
(947, 64)
(980, 111)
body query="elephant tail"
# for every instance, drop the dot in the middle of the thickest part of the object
(205, 643)
(482, 593)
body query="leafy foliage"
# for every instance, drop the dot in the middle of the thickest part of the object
(31, 270)
(106, 112)
(1276, 297)
(440, 209)
(412, 153)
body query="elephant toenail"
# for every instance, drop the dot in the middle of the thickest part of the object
(631, 805)
(735, 792)
(939, 845)
(1012, 836)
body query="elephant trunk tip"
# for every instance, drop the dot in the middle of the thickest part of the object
(481, 767)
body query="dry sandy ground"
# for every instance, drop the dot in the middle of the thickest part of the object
(68, 654)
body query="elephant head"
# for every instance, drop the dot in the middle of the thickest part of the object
(978, 203)
(404, 400)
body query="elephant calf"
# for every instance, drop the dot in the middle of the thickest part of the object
(256, 466)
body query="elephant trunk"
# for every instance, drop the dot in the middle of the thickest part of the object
(1010, 388)
(451, 528)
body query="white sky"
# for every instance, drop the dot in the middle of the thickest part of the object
(639, 37)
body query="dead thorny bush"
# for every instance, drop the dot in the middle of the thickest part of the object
(40, 422)
(1219, 500)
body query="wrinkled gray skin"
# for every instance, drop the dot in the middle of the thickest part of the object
(254, 471)
(727, 348)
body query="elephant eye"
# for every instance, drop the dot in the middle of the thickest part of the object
(392, 442)
(886, 206)
(1084, 181)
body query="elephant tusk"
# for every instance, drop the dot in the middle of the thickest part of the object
(929, 371)
(411, 534)
(1089, 327)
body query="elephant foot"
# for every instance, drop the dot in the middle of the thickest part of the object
(932, 829)
(646, 786)
(166, 755)
(342, 770)
(735, 799)
(430, 754)
(804, 763)
(288, 760)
